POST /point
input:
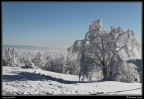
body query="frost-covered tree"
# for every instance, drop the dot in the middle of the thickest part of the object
(10, 57)
(38, 60)
(106, 49)
(72, 66)
(61, 63)
(13, 57)
(7, 56)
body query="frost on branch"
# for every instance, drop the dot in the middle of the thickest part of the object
(107, 50)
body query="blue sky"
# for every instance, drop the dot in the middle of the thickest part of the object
(59, 24)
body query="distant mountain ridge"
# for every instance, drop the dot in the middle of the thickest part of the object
(28, 47)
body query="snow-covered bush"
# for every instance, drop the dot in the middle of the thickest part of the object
(26, 62)
(127, 74)
(47, 64)
(38, 60)
(61, 64)
(55, 64)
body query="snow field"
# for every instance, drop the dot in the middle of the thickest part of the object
(49, 83)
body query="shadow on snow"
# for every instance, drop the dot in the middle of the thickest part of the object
(23, 76)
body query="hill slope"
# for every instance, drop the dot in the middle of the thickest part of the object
(18, 81)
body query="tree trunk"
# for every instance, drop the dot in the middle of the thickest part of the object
(104, 73)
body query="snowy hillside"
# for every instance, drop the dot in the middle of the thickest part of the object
(18, 81)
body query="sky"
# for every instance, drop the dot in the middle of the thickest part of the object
(59, 24)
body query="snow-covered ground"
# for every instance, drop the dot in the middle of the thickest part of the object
(18, 81)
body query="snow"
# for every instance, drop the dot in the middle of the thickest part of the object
(19, 81)
(45, 52)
